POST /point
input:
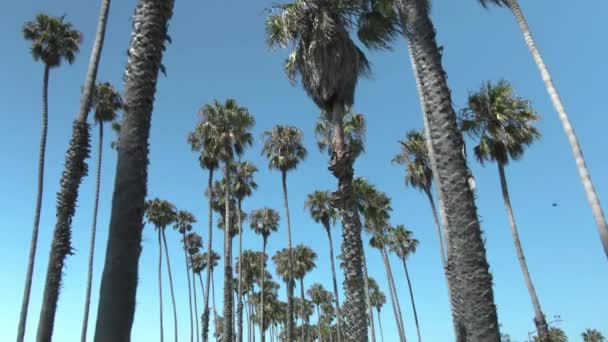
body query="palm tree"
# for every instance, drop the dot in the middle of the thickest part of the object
(329, 65)
(304, 262)
(194, 262)
(53, 41)
(160, 213)
(284, 150)
(377, 299)
(403, 244)
(555, 335)
(502, 123)
(183, 224)
(592, 197)
(264, 222)
(319, 296)
(106, 103)
(321, 210)
(120, 275)
(592, 335)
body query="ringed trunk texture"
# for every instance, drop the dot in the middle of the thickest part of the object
(592, 197)
(160, 283)
(539, 316)
(368, 302)
(290, 313)
(409, 286)
(34, 241)
(189, 287)
(341, 165)
(175, 328)
(120, 274)
(228, 296)
(87, 298)
(239, 310)
(335, 281)
(262, 331)
(466, 254)
(205, 318)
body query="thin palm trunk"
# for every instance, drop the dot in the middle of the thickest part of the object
(539, 316)
(334, 278)
(262, 276)
(392, 284)
(341, 165)
(319, 324)
(189, 286)
(195, 304)
(409, 286)
(228, 288)
(120, 275)
(592, 197)
(437, 227)
(290, 322)
(160, 283)
(34, 241)
(305, 324)
(205, 319)
(468, 268)
(393, 296)
(87, 298)
(380, 325)
(239, 310)
(175, 328)
(368, 299)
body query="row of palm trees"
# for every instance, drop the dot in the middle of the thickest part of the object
(328, 64)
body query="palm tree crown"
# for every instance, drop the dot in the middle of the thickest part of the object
(53, 39)
(354, 131)
(414, 155)
(193, 243)
(184, 221)
(304, 260)
(264, 221)
(320, 207)
(283, 147)
(402, 241)
(160, 213)
(242, 180)
(106, 102)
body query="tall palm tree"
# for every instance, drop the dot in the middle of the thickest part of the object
(183, 224)
(377, 299)
(329, 65)
(120, 275)
(243, 187)
(53, 41)
(592, 335)
(282, 269)
(106, 103)
(161, 214)
(321, 210)
(318, 296)
(304, 262)
(403, 244)
(284, 150)
(502, 123)
(264, 222)
(581, 165)
(194, 263)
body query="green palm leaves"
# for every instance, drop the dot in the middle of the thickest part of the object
(414, 156)
(53, 39)
(264, 221)
(283, 147)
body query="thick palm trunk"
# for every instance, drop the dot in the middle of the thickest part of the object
(290, 321)
(120, 274)
(393, 296)
(239, 311)
(87, 298)
(368, 303)
(539, 316)
(195, 304)
(262, 276)
(592, 197)
(341, 165)
(205, 319)
(175, 328)
(160, 282)
(466, 253)
(189, 287)
(380, 325)
(335, 280)
(34, 241)
(409, 286)
(228, 288)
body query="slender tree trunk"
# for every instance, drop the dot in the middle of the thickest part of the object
(34, 241)
(87, 298)
(189, 286)
(305, 323)
(409, 286)
(160, 282)
(195, 305)
(228, 287)
(392, 283)
(262, 276)
(120, 274)
(367, 299)
(539, 316)
(205, 319)
(393, 295)
(175, 328)
(290, 322)
(468, 261)
(239, 310)
(319, 323)
(380, 325)
(341, 165)
(437, 227)
(592, 197)
(335, 279)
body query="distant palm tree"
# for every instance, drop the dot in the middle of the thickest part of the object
(555, 335)
(53, 41)
(581, 165)
(304, 262)
(377, 299)
(284, 150)
(321, 210)
(194, 262)
(329, 65)
(183, 224)
(161, 214)
(319, 296)
(120, 275)
(106, 103)
(403, 244)
(264, 222)
(502, 123)
(592, 335)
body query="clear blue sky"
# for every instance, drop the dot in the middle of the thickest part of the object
(218, 51)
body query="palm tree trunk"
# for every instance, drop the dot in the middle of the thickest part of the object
(393, 295)
(437, 227)
(160, 282)
(380, 325)
(367, 299)
(195, 306)
(228, 288)
(205, 319)
(539, 316)
(335, 279)
(592, 197)
(189, 286)
(392, 284)
(305, 324)
(87, 298)
(262, 276)
(34, 241)
(175, 328)
(341, 165)
(120, 274)
(290, 322)
(239, 315)
(466, 252)
(409, 286)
